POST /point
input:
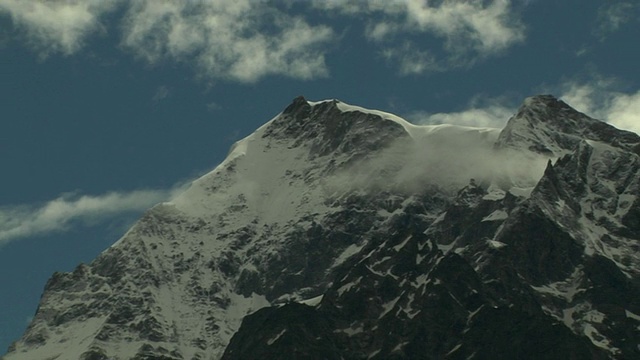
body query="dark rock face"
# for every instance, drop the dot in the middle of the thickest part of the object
(292, 331)
(453, 317)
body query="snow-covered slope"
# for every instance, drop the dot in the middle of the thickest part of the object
(395, 236)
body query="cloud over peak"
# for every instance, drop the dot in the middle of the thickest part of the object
(480, 112)
(602, 98)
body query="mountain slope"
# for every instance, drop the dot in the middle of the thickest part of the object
(350, 233)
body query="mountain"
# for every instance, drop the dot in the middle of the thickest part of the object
(337, 232)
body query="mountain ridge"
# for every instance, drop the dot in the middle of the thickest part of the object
(401, 244)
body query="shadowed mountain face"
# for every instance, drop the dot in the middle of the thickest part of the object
(336, 232)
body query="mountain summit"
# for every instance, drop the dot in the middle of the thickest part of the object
(547, 125)
(337, 232)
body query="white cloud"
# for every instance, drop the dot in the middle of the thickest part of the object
(412, 60)
(485, 26)
(469, 29)
(58, 215)
(613, 15)
(57, 26)
(379, 31)
(241, 40)
(446, 157)
(489, 113)
(601, 99)
(162, 92)
(245, 40)
(624, 112)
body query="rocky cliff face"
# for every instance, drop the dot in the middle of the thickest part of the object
(335, 232)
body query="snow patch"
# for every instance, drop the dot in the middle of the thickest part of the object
(455, 348)
(496, 216)
(439, 219)
(350, 331)
(631, 315)
(567, 316)
(566, 289)
(445, 248)
(401, 245)
(496, 244)
(373, 354)
(388, 307)
(347, 253)
(315, 301)
(238, 308)
(275, 338)
(399, 346)
(494, 194)
(346, 287)
(598, 339)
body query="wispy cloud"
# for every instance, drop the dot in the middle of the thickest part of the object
(57, 26)
(241, 40)
(446, 157)
(612, 15)
(411, 60)
(162, 92)
(246, 40)
(60, 214)
(624, 111)
(602, 98)
(469, 30)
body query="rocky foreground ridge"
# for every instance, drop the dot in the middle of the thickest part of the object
(336, 232)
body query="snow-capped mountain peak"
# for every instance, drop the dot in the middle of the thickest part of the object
(338, 232)
(547, 125)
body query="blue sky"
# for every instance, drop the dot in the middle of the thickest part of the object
(108, 107)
